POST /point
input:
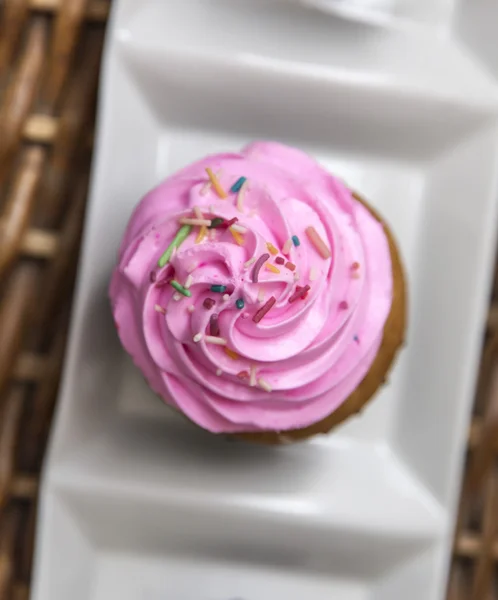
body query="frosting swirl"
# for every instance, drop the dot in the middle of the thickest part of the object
(305, 356)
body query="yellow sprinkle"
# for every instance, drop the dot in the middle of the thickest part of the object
(201, 235)
(272, 268)
(233, 355)
(271, 248)
(237, 237)
(216, 184)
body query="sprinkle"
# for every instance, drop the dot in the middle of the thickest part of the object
(290, 266)
(320, 246)
(226, 297)
(355, 275)
(216, 222)
(265, 385)
(271, 248)
(208, 303)
(212, 234)
(207, 185)
(343, 305)
(313, 274)
(287, 247)
(252, 376)
(257, 267)
(296, 276)
(238, 228)
(238, 184)
(299, 293)
(194, 222)
(179, 238)
(198, 212)
(152, 276)
(295, 241)
(214, 326)
(160, 309)
(219, 289)
(216, 184)
(279, 260)
(233, 355)
(237, 237)
(250, 262)
(356, 339)
(177, 297)
(241, 196)
(197, 337)
(243, 374)
(217, 341)
(261, 294)
(264, 310)
(355, 266)
(230, 289)
(191, 308)
(219, 372)
(179, 288)
(272, 268)
(212, 209)
(239, 303)
(188, 282)
(201, 235)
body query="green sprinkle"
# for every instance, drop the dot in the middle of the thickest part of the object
(178, 240)
(179, 288)
(221, 289)
(240, 303)
(216, 222)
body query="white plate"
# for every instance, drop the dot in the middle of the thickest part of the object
(138, 505)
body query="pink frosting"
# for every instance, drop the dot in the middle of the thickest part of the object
(312, 352)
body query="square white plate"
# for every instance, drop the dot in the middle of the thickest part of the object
(138, 505)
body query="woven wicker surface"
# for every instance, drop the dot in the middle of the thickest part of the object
(49, 58)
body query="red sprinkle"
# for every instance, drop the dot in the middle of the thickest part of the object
(279, 260)
(258, 265)
(290, 266)
(343, 305)
(299, 293)
(230, 289)
(227, 224)
(214, 328)
(355, 266)
(208, 303)
(243, 375)
(264, 309)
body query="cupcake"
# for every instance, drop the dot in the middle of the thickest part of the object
(258, 295)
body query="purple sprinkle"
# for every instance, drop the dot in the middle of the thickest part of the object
(356, 339)
(152, 276)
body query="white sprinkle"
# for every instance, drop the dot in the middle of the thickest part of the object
(212, 234)
(238, 228)
(191, 268)
(296, 276)
(200, 222)
(173, 254)
(313, 273)
(188, 282)
(287, 247)
(265, 385)
(177, 296)
(212, 209)
(355, 275)
(252, 376)
(250, 262)
(219, 372)
(212, 339)
(160, 309)
(261, 294)
(226, 297)
(198, 337)
(241, 195)
(191, 308)
(198, 212)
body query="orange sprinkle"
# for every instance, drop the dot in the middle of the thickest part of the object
(290, 266)
(216, 184)
(201, 235)
(237, 237)
(319, 245)
(272, 268)
(233, 355)
(271, 248)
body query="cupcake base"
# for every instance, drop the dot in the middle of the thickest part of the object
(392, 340)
